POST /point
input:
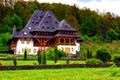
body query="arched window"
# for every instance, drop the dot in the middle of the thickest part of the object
(61, 40)
(34, 50)
(22, 41)
(67, 40)
(72, 40)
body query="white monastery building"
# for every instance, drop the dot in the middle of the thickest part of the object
(42, 31)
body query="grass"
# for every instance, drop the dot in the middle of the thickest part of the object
(33, 62)
(112, 48)
(63, 74)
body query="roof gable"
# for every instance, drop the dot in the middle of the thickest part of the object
(63, 25)
(48, 23)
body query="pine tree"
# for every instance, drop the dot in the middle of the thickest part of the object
(25, 54)
(39, 57)
(56, 54)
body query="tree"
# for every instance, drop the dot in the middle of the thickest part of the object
(5, 38)
(56, 54)
(25, 54)
(89, 54)
(32, 6)
(39, 56)
(89, 26)
(103, 55)
(85, 37)
(17, 20)
(111, 35)
(73, 22)
(14, 61)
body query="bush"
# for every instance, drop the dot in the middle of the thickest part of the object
(111, 35)
(116, 58)
(61, 53)
(44, 58)
(94, 38)
(103, 55)
(93, 61)
(50, 53)
(85, 37)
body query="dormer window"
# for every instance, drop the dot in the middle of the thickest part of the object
(49, 16)
(66, 26)
(32, 22)
(46, 22)
(37, 22)
(40, 16)
(25, 33)
(56, 22)
(29, 28)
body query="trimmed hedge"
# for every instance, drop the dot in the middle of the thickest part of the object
(93, 61)
(27, 67)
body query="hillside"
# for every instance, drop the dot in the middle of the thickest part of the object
(106, 26)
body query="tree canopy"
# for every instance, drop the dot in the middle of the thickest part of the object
(86, 21)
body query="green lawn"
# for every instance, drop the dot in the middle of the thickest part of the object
(33, 62)
(63, 74)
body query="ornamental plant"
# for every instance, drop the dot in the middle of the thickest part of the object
(25, 54)
(116, 58)
(39, 57)
(103, 55)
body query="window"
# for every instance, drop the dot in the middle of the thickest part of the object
(72, 49)
(29, 28)
(36, 22)
(67, 40)
(28, 41)
(23, 50)
(29, 50)
(46, 22)
(22, 41)
(61, 40)
(72, 40)
(25, 33)
(34, 50)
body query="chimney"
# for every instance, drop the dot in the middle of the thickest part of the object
(14, 26)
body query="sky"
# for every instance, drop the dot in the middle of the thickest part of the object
(102, 6)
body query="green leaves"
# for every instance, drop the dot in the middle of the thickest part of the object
(4, 38)
(17, 20)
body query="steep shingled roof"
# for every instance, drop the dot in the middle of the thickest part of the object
(63, 25)
(42, 21)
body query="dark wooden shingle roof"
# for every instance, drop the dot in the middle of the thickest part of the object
(42, 21)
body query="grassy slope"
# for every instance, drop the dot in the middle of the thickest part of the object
(63, 74)
(112, 48)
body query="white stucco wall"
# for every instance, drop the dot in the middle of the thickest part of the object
(73, 48)
(30, 46)
(21, 46)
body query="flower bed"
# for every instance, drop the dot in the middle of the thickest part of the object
(27, 67)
